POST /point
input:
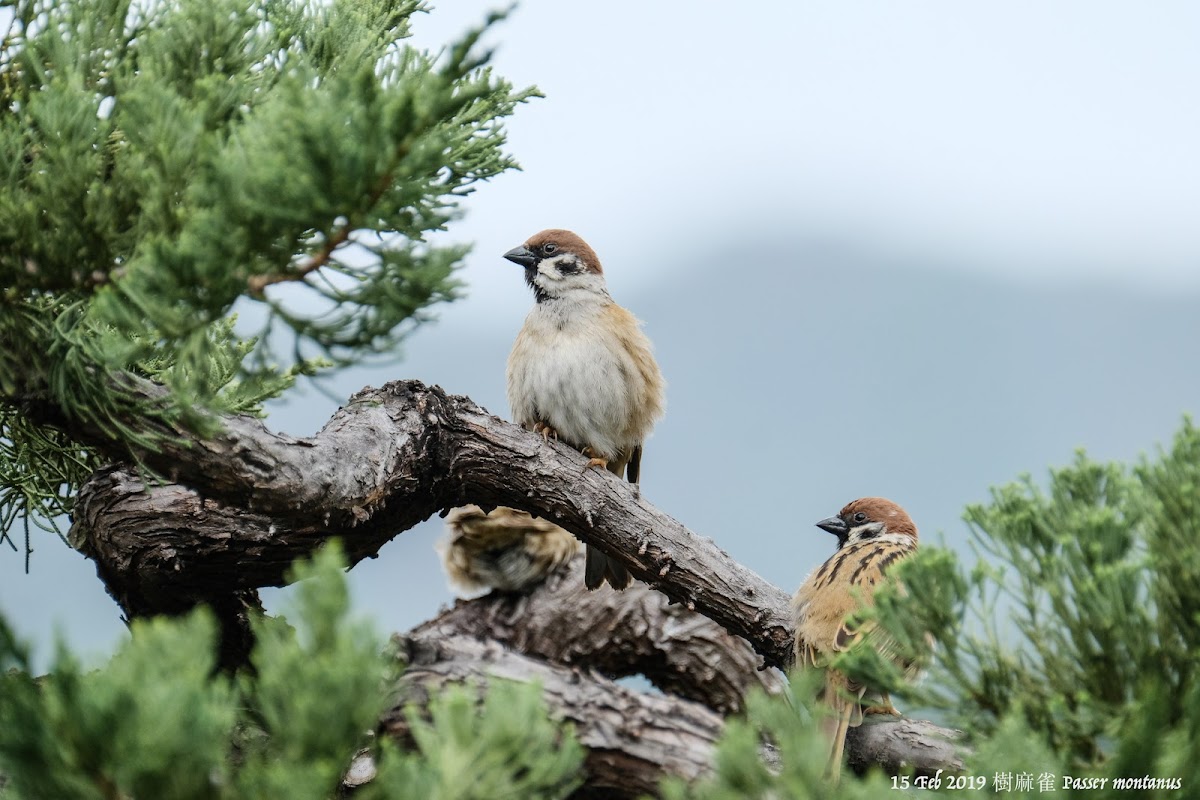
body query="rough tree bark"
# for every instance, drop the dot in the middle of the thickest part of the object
(560, 634)
(247, 502)
(619, 634)
(391, 458)
(633, 739)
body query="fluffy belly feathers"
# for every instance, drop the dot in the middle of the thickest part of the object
(581, 384)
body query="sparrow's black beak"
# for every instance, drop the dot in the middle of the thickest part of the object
(521, 255)
(834, 525)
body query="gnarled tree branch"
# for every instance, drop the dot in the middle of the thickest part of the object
(388, 460)
(633, 739)
(248, 502)
(620, 634)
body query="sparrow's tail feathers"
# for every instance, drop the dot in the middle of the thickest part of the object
(835, 726)
(599, 568)
(837, 744)
(633, 471)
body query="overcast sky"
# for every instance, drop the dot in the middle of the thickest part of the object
(1044, 140)
(1048, 145)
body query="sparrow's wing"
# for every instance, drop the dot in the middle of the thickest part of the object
(633, 472)
(867, 576)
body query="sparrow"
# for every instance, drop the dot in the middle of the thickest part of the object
(872, 535)
(505, 549)
(581, 371)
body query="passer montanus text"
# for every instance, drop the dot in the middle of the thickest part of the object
(581, 369)
(873, 534)
(506, 549)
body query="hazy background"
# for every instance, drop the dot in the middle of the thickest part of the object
(909, 249)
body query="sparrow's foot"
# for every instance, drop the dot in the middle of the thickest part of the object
(887, 708)
(546, 431)
(593, 461)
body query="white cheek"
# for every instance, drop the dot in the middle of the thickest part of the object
(870, 530)
(583, 290)
(549, 272)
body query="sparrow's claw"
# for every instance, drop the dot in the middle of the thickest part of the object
(546, 431)
(593, 461)
(886, 708)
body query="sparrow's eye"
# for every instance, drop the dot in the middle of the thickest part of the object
(549, 248)
(860, 517)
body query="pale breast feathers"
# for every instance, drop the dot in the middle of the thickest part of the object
(590, 376)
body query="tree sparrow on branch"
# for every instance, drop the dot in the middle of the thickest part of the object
(872, 533)
(581, 370)
(505, 550)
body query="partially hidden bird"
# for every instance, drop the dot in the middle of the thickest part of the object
(503, 550)
(581, 370)
(872, 535)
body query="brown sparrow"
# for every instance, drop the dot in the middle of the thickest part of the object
(506, 550)
(873, 533)
(581, 369)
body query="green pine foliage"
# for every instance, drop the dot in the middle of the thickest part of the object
(157, 723)
(511, 749)
(788, 724)
(1070, 648)
(1092, 594)
(164, 162)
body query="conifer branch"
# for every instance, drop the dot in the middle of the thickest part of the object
(416, 451)
(258, 500)
(620, 634)
(257, 283)
(633, 739)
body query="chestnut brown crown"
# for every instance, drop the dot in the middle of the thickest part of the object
(878, 509)
(868, 517)
(556, 241)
